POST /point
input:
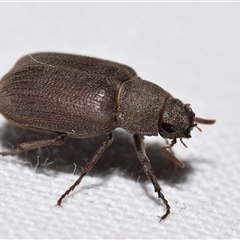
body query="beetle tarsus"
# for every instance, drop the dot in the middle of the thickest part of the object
(160, 195)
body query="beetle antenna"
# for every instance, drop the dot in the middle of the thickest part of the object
(174, 159)
(204, 121)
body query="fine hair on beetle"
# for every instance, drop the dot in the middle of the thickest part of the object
(83, 97)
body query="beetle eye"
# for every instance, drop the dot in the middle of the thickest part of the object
(165, 130)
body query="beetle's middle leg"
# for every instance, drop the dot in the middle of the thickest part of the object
(24, 147)
(141, 153)
(89, 165)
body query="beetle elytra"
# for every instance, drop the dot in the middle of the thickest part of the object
(82, 97)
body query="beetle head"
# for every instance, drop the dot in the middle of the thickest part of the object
(177, 120)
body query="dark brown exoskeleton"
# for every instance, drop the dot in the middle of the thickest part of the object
(83, 97)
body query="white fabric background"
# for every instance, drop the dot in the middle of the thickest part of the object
(190, 49)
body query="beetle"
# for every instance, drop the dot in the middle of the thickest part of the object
(83, 97)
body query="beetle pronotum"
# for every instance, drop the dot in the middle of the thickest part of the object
(82, 97)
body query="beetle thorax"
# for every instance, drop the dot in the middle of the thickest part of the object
(140, 104)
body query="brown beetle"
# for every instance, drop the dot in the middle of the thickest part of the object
(83, 97)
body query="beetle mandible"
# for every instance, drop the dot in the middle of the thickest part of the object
(82, 97)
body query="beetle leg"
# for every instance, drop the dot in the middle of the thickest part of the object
(24, 147)
(170, 155)
(139, 147)
(89, 165)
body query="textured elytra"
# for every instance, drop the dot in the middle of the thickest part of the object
(64, 93)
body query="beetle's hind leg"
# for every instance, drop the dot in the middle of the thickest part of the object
(24, 147)
(89, 165)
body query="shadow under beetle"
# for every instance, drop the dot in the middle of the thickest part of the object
(83, 97)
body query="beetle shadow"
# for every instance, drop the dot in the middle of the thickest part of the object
(77, 152)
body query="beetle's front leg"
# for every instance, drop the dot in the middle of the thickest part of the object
(141, 153)
(24, 147)
(89, 165)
